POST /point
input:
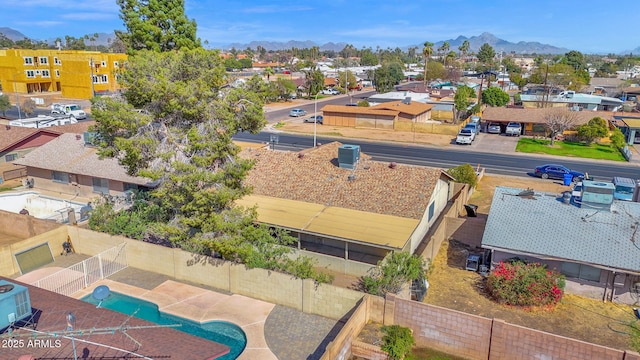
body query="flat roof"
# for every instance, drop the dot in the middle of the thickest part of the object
(350, 225)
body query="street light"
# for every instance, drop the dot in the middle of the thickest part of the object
(315, 119)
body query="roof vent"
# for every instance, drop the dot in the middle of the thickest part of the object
(300, 155)
(597, 194)
(407, 100)
(348, 156)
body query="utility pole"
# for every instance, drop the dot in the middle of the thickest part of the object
(93, 90)
(15, 88)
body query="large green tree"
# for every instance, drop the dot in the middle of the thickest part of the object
(157, 25)
(314, 81)
(427, 51)
(462, 101)
(486, 54)
(494, 96)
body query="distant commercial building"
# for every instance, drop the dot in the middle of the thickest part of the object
(77, 74)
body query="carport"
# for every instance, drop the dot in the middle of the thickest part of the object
(630, 127)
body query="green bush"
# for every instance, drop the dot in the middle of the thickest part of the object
(465, 174)
(397, 342)
(522, 284)
(392, 273)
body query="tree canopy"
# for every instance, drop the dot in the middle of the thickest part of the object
(494, 96)
(486, 54)
(462, 100)
(159, 25)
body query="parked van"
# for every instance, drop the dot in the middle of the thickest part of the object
(625, 188)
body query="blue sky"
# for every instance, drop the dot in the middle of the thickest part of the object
(588, 26)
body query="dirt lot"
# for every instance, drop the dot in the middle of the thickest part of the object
(580, 318)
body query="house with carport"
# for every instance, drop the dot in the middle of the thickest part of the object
(342, 205)
(591, 238)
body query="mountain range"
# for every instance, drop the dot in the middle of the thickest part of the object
(475, 42)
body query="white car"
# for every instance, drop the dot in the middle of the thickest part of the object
(330, 92)
(465, 136)
(297, 112)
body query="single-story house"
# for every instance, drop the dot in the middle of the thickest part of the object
(393, 96)
(592, 239)
(69, 164)
(533, 119)
(573, 100)
(629, 124)
(340, 203)
(381, 116)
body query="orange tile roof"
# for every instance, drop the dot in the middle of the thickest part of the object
(358, 110)
(414, 108)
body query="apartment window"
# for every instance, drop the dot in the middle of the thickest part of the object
(30, 73)
(100, 185)
(104, 79)
(57, 73)
(28, 60)
(104, 64)
(57, 61)
(10, 157)
(95, 79)
(116, 64)
(432, 209)
(44, 60)
(45, 73)
(580, 271)
(61, 177)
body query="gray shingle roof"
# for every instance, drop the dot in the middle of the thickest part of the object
(68, 153)
(543, 226)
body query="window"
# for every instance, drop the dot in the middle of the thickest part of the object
(95, 79)
(104, 79)
(43, 60)
(30, 73)
(580, 271)
(60, 177)
(10, 157)
(101, 185)
(431, 210)
(28, 60)
(116, 64)
(45, 73)
(57, 61)
(57, 73)
(104, 64)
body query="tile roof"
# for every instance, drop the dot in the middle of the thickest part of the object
(68, 153)
(313, 176)
(52, 309)
(414, 108)
(358, 110)
(536, 116)
(543, 226)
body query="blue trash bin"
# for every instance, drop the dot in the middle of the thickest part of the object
(568, 178)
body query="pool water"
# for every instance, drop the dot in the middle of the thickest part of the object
(219, 331)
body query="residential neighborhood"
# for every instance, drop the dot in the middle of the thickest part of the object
(163, 197)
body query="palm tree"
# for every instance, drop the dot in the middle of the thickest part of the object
(443, 50)
(450, 56)
(464, 49)
(269, 71)
(427, 51)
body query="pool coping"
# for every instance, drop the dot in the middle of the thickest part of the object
(202, 305)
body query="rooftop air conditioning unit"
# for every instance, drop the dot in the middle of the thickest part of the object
(15, 305)
(597, 194)
(348, 156)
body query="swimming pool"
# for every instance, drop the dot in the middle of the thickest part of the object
(219, 331)
(40, 206)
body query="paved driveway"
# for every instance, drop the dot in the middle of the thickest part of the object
(495, 143)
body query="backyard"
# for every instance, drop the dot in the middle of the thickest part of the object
(573, 149)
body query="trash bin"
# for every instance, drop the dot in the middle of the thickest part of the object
(472, 210)
(568, 178)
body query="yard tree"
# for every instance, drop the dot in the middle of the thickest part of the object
(464, 49)
(396, 71)
(368, 58)
(387, 76)
(557, 120)
(464, 174)
(495, 97)
(159, 25)
(462, 101)
(596, 128)
(347, 80)
(5, 104)
(184, 142)
(268, 72)
(314, 81)
(486, 54)
(427, 51)
(436, 70)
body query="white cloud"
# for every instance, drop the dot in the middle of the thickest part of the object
(88, 16)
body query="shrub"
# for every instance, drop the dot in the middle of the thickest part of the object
(465, 174)
(521, 284)
(397, 342)
(392, 273)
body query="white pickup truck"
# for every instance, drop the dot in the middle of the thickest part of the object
(465, 136)
(513, 129)
(71, 110)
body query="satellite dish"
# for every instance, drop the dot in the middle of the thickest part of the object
(100, 293)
